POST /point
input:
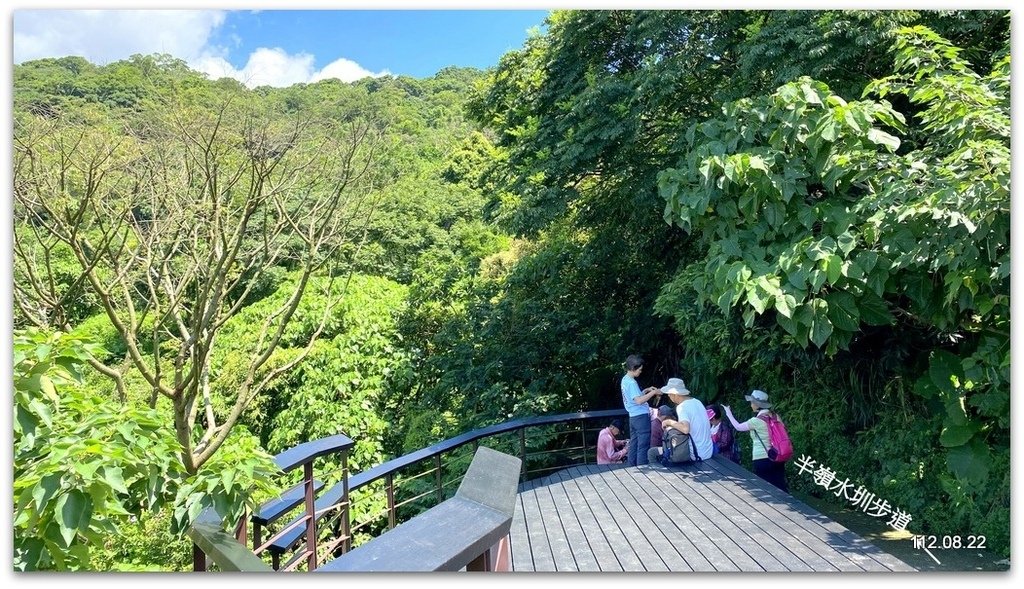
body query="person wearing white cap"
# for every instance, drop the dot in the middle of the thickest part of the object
(764, 467)
(692, 416)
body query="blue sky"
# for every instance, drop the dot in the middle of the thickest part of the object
(414, 43)
(281, 47)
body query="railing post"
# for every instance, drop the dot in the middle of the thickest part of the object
(522, 451)
(198, 559)
(583, 434)
(257, 535)
(307, 472)
(440, 479)
(481, 562)
(391, 500)
(346, 518)
(242, 529)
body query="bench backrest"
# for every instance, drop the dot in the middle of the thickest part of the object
(492, 480)
(451, 535)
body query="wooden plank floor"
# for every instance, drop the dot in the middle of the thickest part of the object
(650, 518)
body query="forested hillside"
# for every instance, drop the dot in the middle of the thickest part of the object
(815, 204)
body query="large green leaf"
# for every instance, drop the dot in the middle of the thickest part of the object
(874, 310)
(725, 301)
(114, 476)
(45, 489)
(956, 435)
(821, 249)
(228, 479)
(923, 387)
(946, 371)
(821, 327)
(41, 410)
(833, 268)
(785, 304)
(755, 299)
(842, 311)
(42, 351)
(788, 323)
(883, 138)
(817, 279)
(73, 511)
(25, 424)
(46, 386)
(846, 242)
(867, 259)
(970, 462)
(87, 470)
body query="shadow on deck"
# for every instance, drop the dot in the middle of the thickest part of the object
(715, 516)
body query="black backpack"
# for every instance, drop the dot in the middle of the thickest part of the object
(678, 448)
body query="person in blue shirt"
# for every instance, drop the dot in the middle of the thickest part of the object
(635, 402)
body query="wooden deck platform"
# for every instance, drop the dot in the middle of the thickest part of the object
(650, 518)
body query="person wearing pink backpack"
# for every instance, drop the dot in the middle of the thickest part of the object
(770, 470)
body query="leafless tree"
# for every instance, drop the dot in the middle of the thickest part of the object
(173, 222)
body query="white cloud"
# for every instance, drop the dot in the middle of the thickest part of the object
(276, 67)
(102, 36)
(266, 67)
(346, 70)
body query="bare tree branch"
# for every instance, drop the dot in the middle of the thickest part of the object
(173, 222)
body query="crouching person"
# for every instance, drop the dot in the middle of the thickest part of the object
(610, 449)
(688, 437)
(654, 453)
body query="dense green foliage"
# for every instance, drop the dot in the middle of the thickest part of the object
(87, 468)
(350, 381)
(813, 221)
(811, 203)
(352, 364)
(847, 254)
(82, 465)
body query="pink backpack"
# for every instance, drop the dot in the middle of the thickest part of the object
(778, 438)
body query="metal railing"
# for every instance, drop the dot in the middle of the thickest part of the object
(409, 484)
(208, 540)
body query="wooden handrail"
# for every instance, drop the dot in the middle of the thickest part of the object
(225, 549)
(286, 541)
(303, 455)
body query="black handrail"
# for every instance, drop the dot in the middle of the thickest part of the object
(387, 469)
(303, 455)
(381, 470)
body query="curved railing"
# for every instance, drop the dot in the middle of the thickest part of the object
(230, 553)
(543, 444)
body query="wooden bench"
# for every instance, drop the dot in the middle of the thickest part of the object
(462, 532)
